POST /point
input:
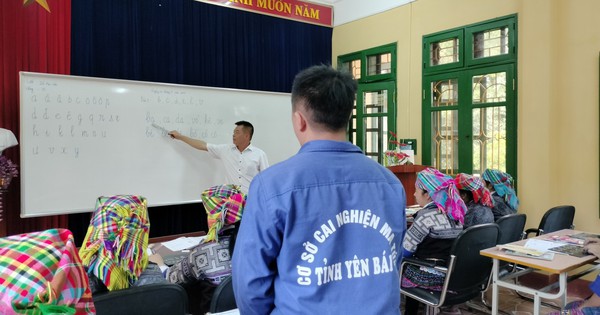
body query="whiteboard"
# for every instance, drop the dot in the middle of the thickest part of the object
(84, 137)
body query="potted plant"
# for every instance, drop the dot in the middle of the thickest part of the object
(396, 156)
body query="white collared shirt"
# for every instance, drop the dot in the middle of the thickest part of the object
(240, 167)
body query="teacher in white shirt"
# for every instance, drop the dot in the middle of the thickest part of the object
(241, 159)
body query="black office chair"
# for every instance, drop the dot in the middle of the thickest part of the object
(158, 298)
(223, 298)
(467, 272)
(555, 219)
(512, 227)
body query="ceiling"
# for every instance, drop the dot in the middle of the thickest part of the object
(345, 11)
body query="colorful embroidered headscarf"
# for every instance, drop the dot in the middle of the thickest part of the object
(224, 205)
(476, 186)
(114, 248)
(503, 185)
(41, 273)
(443, 192)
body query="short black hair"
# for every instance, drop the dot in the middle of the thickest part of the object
(248, 126)
(328, 94)
(468, 193)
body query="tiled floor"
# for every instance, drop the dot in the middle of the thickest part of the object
(511, 303)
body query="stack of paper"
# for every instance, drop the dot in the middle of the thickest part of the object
(231, 312)
(524, 251)
(412, 211)
(182, 243)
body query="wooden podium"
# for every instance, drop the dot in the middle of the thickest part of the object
(407, 174)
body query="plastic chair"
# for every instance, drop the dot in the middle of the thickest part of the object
(555, 219)
(223, 298)
(467, 272)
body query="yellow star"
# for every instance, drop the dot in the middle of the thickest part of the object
(43, 3)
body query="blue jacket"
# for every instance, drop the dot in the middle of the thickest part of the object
(321, 234)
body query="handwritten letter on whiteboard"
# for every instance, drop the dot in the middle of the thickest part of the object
(85, 137)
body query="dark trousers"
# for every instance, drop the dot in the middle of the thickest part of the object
(411, 306)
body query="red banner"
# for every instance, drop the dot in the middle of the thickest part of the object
(290, 9)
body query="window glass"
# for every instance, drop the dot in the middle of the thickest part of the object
(444, 125)
(444, 93)
(489, 139)
(379, 64)
(375, 129)
(489, 43)
(444, 52)
(353, 67)
(489, 88)
(375, 102)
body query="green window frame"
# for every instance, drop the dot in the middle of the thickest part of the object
(373, 119)
(510, 40)
(469, 106)
(430, 52)
(374, 114)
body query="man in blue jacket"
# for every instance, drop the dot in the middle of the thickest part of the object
(322, 230)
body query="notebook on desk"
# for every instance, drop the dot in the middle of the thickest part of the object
(570, 249)
(523, 251)
(585, 235)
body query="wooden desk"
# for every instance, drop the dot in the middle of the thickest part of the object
(561, 264)
(407, 174)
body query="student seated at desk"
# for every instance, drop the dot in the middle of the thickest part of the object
(477, 199)
(591, 305)
(434, 229)
(503, 192)
(114, 249)
(211, 260)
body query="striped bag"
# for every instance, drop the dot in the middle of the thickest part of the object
(41, 273)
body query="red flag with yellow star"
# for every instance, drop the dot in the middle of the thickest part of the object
(43, 3)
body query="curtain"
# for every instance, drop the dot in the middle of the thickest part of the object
(190, 42)
(173, 41)
(36, 40)
(194, 43)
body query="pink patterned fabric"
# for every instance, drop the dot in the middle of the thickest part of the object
(443, 192)
(224, 205)
(476, 186)
(41, 273)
